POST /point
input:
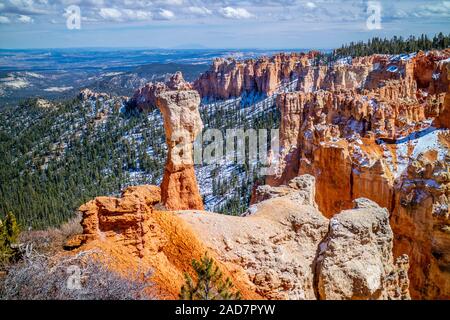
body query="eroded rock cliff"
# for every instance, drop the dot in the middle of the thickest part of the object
(355, 259)
(377, 128)
(230, 78)
(132, 235)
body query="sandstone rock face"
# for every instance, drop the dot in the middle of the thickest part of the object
(133, 235)
(281, 258)
(230, 78)
(301, 189)
(358, 128)
(355, 260)
(276, 245)
(125, 220)
(144, 98)
(443, 119)
(272, 253)
(421, 221)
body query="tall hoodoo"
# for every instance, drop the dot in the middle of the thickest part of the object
(182, 123)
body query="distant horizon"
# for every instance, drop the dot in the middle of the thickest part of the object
(218, 24)
(161, 48)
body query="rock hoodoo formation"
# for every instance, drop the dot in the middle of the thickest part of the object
(283, 249)
(178, 104)
(182, 123)
(352, 262)
(377, 127)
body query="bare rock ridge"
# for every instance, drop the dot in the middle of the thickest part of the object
(145, 97)
(131, 234)
(377, 127)
(229, 78)
(293, 255)
(124, 220)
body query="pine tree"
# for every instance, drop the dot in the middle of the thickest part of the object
(210, 284)
(9, 232)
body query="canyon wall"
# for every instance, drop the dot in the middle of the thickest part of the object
(360, 128)
(229, 78)
(282, 248)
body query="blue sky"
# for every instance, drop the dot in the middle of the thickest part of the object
(271, 24)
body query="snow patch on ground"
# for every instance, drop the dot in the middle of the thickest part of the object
(420, 145)
(58, 89)
(14, 83)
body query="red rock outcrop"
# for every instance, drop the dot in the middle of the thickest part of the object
(279, 261)
(355, 259)
(443, 119)
(230, 78)
(421, 222)
(125, 219)
(144, 98)
(132, 235)
(357, 127)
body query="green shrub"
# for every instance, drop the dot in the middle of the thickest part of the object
(210, 284)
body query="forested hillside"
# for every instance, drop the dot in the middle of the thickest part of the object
(395, 45)
(56, 156)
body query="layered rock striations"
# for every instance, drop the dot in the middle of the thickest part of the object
(421, 222)
(360, 128)
(229, 78)
(284, 248)
(371, 128)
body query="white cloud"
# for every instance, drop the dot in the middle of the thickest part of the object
(25, 19)
(25, 7)
(199, 11)
(110, 14)
(164, 14)
(235, 13)
(4, 20)
(137, 14)
(113, 14)
(441, 9)
(170, 2)
(310, 5)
